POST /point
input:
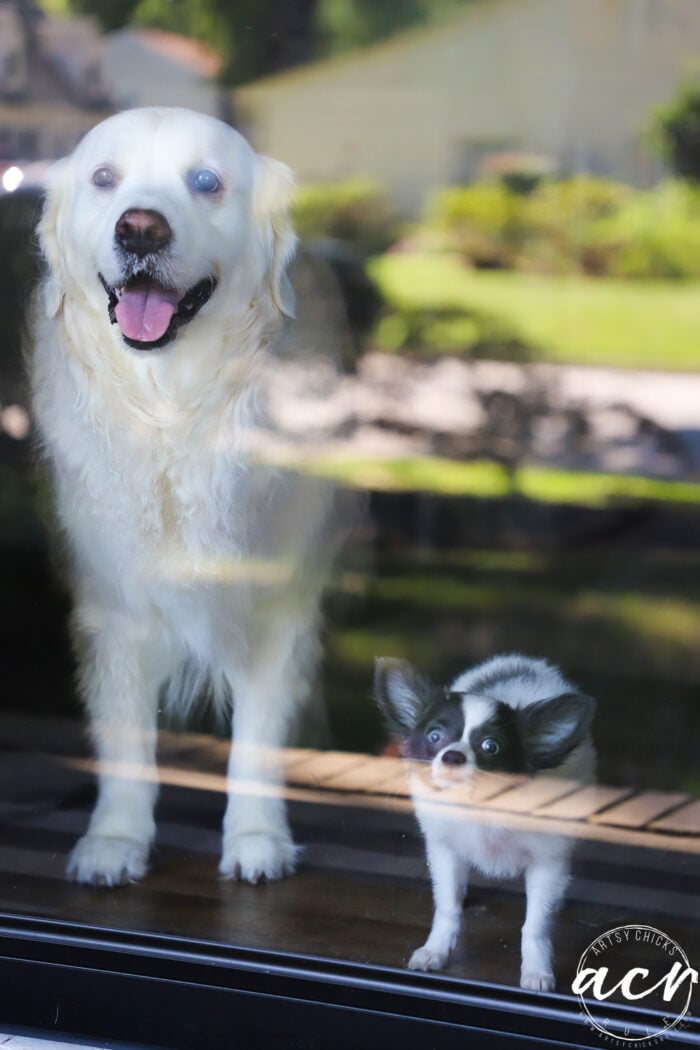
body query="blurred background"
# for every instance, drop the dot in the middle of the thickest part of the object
(499, 207)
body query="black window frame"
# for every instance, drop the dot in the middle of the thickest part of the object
(84, 982)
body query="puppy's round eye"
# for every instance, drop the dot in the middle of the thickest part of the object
(490, 746)
(104, 178)
(204, 180)
(435, 736)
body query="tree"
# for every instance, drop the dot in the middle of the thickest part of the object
(675, 131)
(261, 37)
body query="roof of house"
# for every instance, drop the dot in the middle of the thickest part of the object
(181, 50)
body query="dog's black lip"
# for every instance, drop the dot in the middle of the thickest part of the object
(188, 307)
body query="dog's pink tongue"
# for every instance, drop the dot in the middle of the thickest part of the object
(144, 314)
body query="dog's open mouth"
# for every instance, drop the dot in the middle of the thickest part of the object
(149, 314)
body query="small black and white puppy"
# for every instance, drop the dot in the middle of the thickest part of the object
(511, 714)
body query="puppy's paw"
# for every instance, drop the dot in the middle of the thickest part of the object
(426, 958)
(258, 857)
(537, 982)
(103, 860)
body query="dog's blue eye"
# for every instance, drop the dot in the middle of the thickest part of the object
(490, 746)
(205, 181)
(104, 178)
(435, 736)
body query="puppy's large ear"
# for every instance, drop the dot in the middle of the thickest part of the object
(274, 186)
(402, 694)
(553, 728)
(51, 231)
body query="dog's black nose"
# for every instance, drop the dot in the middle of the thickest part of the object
(142, 232)
(454, 758)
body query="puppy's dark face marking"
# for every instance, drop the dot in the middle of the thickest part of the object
(497, 743)
(441, 724)
(475, 730)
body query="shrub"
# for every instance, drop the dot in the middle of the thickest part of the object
(551, 229)
(578, 225)
(356, 211)
(564, 219)
(656, 234)
(484, 222)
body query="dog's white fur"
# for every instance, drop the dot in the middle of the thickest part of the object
(189, 561)
(454, 846)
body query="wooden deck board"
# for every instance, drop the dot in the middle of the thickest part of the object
(641, 810)
(317, 767)
(362, 892)
(582, 804)
(371, 775)
(684, 821)
(529, 795)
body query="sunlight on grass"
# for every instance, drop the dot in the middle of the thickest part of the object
(487, 480)
(650, 324)
(660, 630)
(673, 621)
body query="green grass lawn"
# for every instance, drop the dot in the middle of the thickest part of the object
(575, 319)
(486, 480)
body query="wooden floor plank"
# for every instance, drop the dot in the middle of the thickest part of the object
(531, 794)
(48, 734)
(370, 775)
(319, 767)
(27, 776)
(684, 821)
(479, 791)
(580, 805)
(642, 809)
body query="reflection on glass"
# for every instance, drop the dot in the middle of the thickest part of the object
(494, 354)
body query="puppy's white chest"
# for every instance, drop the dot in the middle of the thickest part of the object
(494, 850)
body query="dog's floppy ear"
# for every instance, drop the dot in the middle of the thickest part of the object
(274, 185)
(553, 728)
(51, 231)
(402, 694)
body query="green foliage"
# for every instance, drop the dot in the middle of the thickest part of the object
(111, 14)
(674, 130)
(343, 26)
(357, 211)
(260, 37)
(655, 235)
(581, 225)
(563, 220)
(486, 222)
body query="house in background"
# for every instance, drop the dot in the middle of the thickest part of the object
(570, 81)
(149, 67)
(59, 77)
(52, 88)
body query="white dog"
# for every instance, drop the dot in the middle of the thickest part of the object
(167, 240)
(511, 714)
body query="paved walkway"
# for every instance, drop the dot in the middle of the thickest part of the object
(581, 418)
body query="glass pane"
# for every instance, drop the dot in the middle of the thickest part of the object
(413, 502)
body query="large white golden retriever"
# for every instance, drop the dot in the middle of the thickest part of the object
(167, 240)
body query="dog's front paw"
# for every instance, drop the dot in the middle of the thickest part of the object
(537, 982)
(103, 860)
(426, 958)
(258, 857)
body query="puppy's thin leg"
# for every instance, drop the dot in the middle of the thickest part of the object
(545, 884)
(120, 676)
(257, 842)
(448, 872)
